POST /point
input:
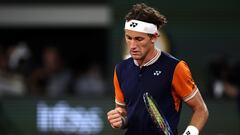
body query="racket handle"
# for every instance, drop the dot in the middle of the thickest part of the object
(191, 130)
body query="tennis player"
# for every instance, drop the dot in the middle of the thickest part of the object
(151, 70)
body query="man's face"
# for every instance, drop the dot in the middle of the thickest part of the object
(138, 44)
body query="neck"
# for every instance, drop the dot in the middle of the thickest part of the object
(152, 53)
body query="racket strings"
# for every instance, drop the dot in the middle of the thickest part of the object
(157, 118)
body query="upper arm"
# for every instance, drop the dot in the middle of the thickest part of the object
(186, 89)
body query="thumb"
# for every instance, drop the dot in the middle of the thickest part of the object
(120, 111)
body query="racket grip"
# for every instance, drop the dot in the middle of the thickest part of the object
(191, 130)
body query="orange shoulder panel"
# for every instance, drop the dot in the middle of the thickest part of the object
(182, 83)
(119, 98)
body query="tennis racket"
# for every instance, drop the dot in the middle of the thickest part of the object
(156, 115)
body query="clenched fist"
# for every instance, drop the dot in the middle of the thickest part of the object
(115, 117)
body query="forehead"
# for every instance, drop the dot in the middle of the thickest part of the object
(135, 33)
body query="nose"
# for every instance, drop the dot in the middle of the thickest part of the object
(132, 44)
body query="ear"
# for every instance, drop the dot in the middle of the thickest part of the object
(154, 38)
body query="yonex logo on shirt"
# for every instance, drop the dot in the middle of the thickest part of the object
(157, 73)
(133, 24)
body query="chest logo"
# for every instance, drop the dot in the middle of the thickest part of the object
(157, 73)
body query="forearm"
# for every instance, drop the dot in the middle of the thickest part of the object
(199, 118)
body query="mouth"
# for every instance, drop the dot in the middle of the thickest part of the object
(134, 52)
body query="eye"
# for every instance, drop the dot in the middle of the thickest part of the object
(128, 37)
(139, 38)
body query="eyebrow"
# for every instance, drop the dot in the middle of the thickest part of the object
(134, 37)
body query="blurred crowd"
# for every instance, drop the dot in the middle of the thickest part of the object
(223, 78)
(21, 75)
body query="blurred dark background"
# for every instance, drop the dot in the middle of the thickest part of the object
(57, 60)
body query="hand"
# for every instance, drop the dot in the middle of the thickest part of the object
(115, 117)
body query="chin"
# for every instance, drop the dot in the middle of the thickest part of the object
(136, 57)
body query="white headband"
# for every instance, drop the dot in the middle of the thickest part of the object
(140, 26)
